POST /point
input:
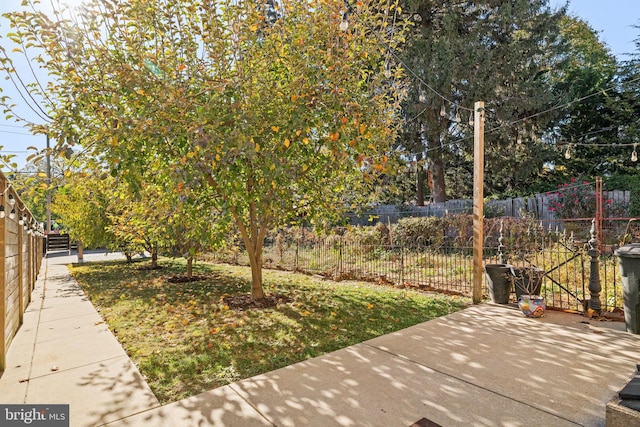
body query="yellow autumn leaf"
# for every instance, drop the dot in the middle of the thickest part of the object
(218, 157)
(363, 128)
(294, 98)
(275, 128)
(257, 148)
(298, 132)
(287, 143)
(273, 184)
(272, 167)
(369, 306)
(305, 141)
(140, 92)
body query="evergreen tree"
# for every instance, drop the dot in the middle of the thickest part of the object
(465, 51)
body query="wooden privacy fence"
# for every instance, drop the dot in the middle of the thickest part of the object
(21, 246)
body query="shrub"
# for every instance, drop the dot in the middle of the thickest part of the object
(573, 200)
(377, 235)
(415, 232)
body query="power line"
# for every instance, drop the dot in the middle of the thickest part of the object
(16, 133)
(444, 98)
(12, 126)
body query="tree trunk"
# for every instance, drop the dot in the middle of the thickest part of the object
(253, 241)
(436, 166)
(154, 258)
(419, 181)
(257, 293)
(190, 267)
(80, 251)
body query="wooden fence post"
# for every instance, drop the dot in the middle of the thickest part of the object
(478, 200)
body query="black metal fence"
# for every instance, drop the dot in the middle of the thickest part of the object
(448, 265)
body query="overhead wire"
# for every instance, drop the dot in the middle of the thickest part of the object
(453, 103)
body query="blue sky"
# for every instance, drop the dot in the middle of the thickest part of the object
(613, 19)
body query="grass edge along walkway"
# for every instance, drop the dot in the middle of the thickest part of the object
(185, 338)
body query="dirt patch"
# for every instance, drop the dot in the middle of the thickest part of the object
(149, 267)
(185, 279)
(243, 302)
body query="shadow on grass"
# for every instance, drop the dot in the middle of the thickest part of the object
(185, 339)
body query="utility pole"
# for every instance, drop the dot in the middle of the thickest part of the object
(48, 229)
(478, 199)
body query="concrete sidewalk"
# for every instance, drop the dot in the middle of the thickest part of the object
(484, 366)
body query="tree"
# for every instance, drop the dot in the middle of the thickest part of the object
(278, 117)
(626, 106)
(586, 74)
(461, 52)
(81, 205)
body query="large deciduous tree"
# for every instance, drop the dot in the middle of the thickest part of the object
(586, 81)
(273, 106)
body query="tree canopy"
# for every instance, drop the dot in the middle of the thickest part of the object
(282, 114)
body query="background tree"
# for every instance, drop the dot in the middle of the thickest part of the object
(587, 73)
(192, 226)
(81, 206)
(462, 52)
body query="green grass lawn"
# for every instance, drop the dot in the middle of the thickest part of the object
(185, 339)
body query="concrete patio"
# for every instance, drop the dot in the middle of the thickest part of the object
(484, 366)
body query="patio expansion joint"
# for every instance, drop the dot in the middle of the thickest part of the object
(254, 407)
(95, 362)
(405, 358)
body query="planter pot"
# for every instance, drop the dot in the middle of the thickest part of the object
(532, 305)
(527, 281)
(499, 280)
